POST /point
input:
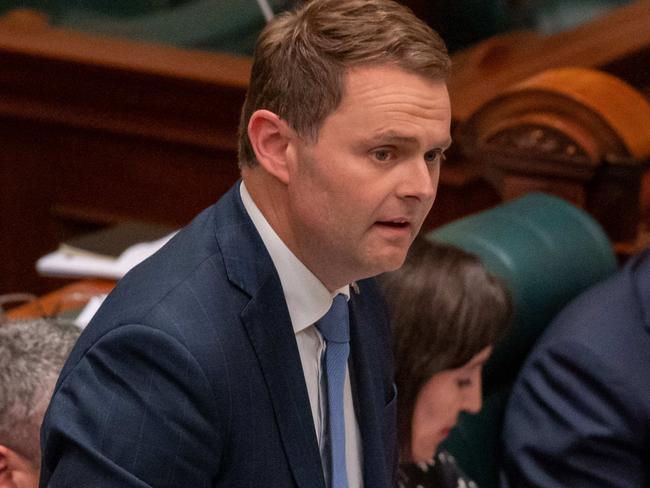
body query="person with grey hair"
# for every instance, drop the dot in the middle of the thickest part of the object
(253, 349)
(32, 353)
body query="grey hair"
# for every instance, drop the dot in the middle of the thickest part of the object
(32, 353)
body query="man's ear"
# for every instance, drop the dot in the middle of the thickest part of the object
(16, 471)
(271, 138)
(6, 475)
(4, 450)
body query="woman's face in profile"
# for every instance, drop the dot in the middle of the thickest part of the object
(439, 402)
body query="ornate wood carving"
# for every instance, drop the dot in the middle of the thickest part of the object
(579, 133)
(618, 43)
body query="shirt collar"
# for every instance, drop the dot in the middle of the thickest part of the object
(306, 296)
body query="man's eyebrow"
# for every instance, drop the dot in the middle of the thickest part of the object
(392, 136)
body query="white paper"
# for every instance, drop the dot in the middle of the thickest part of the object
(89, 311)
(60, 264)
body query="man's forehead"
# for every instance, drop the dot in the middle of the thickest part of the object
(358, 72)
(382, 84)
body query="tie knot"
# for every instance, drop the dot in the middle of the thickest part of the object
(334, 325)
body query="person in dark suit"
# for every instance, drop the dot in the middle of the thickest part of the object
(32, 353)
(207, 366)
(579, 412)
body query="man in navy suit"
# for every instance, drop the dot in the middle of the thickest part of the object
(204, 366)
(579, 414)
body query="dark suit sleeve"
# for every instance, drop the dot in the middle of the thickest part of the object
(135, 410)
(571, 421)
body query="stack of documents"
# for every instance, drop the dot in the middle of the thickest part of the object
(108, 253)
(88, 312)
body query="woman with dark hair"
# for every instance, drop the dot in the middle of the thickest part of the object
(447, 312)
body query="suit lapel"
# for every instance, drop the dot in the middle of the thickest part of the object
(268, 324)
(368, 392)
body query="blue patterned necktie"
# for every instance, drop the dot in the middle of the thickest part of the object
(335, 328)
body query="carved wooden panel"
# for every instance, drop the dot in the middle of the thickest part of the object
(579, 133)
(617, 43)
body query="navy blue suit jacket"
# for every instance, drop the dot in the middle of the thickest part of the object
(189, 375)
(579, 415)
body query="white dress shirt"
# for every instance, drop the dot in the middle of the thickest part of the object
(308, 300)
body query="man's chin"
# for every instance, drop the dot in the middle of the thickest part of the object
(389, 262)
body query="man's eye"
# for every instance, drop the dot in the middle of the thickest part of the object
(434, 156)
(464, 383)
(383, 154)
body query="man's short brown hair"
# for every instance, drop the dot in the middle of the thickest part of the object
(301, 58)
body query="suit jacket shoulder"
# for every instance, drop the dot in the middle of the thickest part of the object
(166, 387)
(579, 414)
(189, 374)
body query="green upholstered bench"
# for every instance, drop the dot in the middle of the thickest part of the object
(547, 251)
(220, 25)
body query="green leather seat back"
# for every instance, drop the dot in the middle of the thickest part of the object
(118, 9)
(553, 16)
(219, 25)
(547, 251)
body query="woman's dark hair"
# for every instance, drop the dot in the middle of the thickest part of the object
(445, 308)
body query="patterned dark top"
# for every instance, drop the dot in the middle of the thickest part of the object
(441, 472)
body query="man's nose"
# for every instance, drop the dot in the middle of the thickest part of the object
(419, 180)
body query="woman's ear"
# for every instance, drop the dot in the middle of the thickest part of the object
(271, 138)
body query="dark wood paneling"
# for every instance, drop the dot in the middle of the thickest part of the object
(96, 130)
(57, 182)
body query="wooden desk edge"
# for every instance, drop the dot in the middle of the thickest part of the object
(62, 299)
